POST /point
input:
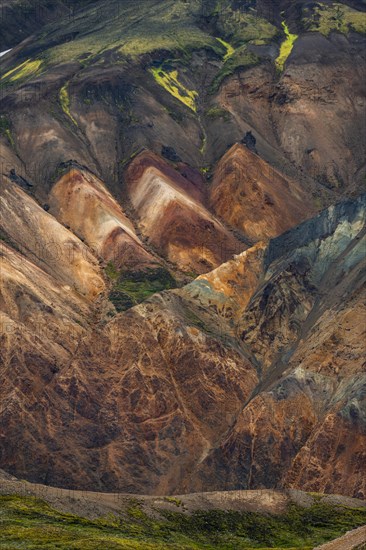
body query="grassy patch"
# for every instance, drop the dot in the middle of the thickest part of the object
(286, 47)
(132, 288)
(325, 18)
(30, 523)
(65, 103)
(168, 79)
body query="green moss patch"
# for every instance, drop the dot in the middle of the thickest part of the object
(132, 30)
(169, 80)
(242, 58)
(132, 288)
(240, 27)
(65, 102)
(5, 129)
(229, 49)
(23, 71)
(326, 18)
(286, 47)
(215, 112)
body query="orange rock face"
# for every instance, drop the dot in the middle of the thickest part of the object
(172, 216)
(82, 202)
(250, 195)
(47, 243)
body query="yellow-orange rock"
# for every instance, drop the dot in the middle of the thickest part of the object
(250, 195)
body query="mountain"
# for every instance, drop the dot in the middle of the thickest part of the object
(182, 225)
(255, 369)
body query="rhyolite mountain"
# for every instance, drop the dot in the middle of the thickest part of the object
(182, 259)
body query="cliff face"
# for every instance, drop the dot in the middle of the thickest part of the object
(166, 323)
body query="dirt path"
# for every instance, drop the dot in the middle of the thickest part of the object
(349, 541)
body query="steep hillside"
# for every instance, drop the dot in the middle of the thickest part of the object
(100, 84)
(182, 245)
(251, 196)
(200, 381)
(172, 218)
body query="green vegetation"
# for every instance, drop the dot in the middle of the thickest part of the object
(134, 154)
(168, 79)
(286, 47)
(217, 112)
(65, 102)
(111, 271)
(5, 129)
(30, 523)
(240, 59)
(325, 18)
(173, 28)
(166, 25)
(132, 288)
(173, 500)
(229, 49)
(24, 70)
(203, 138)
(242, 27)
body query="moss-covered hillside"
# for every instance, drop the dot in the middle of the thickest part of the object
(30, 523)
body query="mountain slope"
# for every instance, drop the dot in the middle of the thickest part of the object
(160, 333)
(197, 370)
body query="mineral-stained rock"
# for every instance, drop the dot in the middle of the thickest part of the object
(309, 347)
(173, 218)
(247, 377)
(47, 243)
(249, 195)
(81, 201)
